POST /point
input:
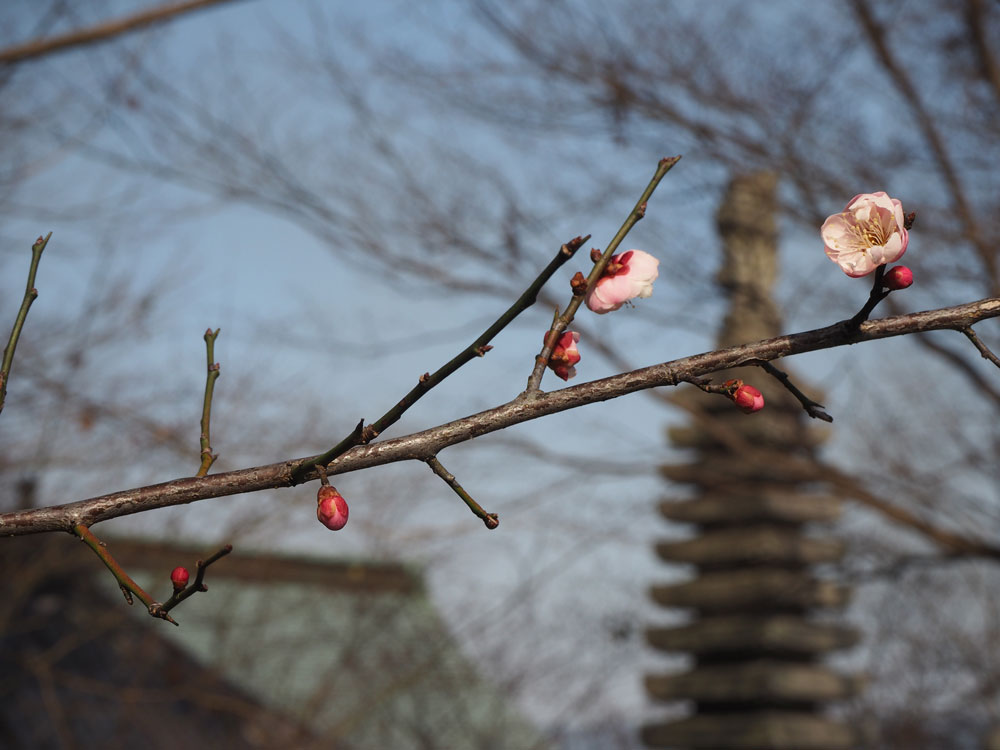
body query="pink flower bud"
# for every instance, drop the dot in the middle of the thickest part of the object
(867, 234)
(564, 355)
(627, 276)
(748, 398)
(331, 508)
(179, 577)
(897, 277)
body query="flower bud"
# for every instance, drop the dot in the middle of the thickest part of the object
(748, 398)
(179, 577)
(331, 508)
(897, 277)
(564, 355)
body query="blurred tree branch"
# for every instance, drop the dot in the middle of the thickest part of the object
(103, 32)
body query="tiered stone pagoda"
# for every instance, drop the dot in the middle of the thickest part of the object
(757, 679)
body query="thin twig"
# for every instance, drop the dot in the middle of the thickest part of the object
(29, 296)
(478, 348)
(813, 409)
(561, 323)
(877, 294)
(125, 582)
(207, 457)
(490, 519)
(190, 590)
(421, 445)
(707, 386)
(977, 342)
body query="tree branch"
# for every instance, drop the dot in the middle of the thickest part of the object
(30, 293)
(102, 32)
(207, 457)
(478, 348)
(422, 445)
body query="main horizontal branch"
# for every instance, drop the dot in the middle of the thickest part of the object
(421, 446)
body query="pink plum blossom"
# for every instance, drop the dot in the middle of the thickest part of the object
(748, 398)
(867, 234)
(564, 355)
(627, 276)
(331, 508)
(897, 277)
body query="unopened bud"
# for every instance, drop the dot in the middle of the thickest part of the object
(564, 355)
(179, 577)
(897, 277)
(748, 398)
(331, 508)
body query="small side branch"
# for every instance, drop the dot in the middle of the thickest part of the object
(813, 409)
(877, 294)
(29, 296)
(561, 322)
(130, 588)
(179, 595)
(207, 457)
(977, 342)
(125, 582)
(490, 519)
(478, 348)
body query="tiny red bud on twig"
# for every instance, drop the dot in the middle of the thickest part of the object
(179, 577)
(578, 284)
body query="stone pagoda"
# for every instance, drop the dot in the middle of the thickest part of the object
(757, 678)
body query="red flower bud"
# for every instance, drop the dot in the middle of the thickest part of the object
(331, 508)
(179, 577)
(565, 355)
(897, 277)
(748, 398)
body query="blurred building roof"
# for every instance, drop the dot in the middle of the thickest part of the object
(279, 652)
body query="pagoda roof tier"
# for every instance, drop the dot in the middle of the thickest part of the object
(760, 544)
(738, 473)
(775, 730)
(764, 634)
(760, 682)
(752, 589)
(775, 505)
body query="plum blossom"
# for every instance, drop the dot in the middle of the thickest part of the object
(331, 508)
(867, 234)
(627, 276)
(897, 277)
(564, 355)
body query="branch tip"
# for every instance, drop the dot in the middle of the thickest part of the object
(490, 519)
